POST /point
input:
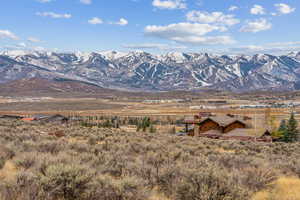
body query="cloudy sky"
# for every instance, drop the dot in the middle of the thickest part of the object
(233, 26)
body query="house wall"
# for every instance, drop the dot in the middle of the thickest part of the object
(208, 125)
(233, 126)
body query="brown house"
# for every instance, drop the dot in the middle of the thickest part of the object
(234, 125)
(221, 124)
(244, 135)
(207, 125)
(225, 128)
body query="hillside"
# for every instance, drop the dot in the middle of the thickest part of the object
(141, 71)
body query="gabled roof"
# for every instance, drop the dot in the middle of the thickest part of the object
(40, 116)
(11, 117)
(223, 120)
(267, 133)
(56, 117)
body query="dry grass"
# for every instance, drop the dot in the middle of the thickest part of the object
(9, 171)
(156, 195)
(221, 150)
(285, 188)
(116, 165)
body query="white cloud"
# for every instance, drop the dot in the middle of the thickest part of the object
(233, 8)
(270, 48)
(214, 17)
(54, 15)
(153, 46)
(121, 22)
(249, 48)
(284, 8)
(180, 29)
(285, 43)
(257, 10)
(22, 45)
(169, 4)
(87, 2)
(39, 48)
(7, 34)
(44, 1)
(24, 48)
(207, 40)
(189, 33)
(274, 14)
(33, 40)
(256, 26)
(95, 20)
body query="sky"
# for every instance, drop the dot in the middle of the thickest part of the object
(156, 26)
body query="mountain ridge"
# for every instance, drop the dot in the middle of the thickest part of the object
(142, 71)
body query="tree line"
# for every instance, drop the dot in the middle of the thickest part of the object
(288, 130)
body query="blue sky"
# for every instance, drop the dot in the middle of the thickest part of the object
(158, 26)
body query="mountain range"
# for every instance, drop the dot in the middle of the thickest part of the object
(142, 71)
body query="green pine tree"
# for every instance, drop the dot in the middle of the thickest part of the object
(291, 133)
(281, 131)
(283, 126)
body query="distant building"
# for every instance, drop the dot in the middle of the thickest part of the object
(156, 101)
(28, 119)
(208, 122)
(55, 118)
(223, 127)
(11, 117)
(48, 118)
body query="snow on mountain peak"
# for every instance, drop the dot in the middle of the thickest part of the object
(84, 56)
(14, 53)
(112, 55)
(171, 71)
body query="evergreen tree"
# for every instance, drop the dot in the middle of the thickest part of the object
(146, 122)
(281, 131)
(283, 126)
(291, 133)
(107, 124)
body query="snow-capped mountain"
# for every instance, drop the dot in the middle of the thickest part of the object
(145, 71)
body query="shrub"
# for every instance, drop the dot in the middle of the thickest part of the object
(207, 184)
(52, 147)
(257, 178)
(5, 154)
(26, 160)
(128, 188)
(2, 162)
(176, 168)
(168, 180)
(68, 182)
(92, 140)
(24, 187)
